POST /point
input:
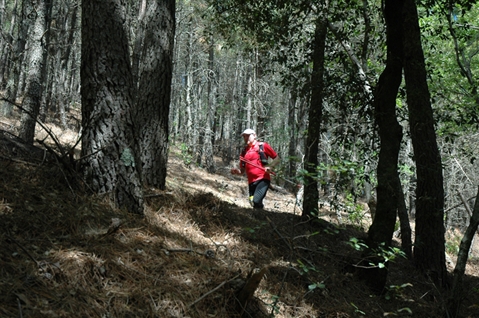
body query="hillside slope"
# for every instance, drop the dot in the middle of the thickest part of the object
(66, 253)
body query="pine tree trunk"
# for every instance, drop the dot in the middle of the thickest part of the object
(6, 42)
(110, 164)
(154, 93)
(17, 59)
(62, 90)
(138, 42)
(211, 105)
(35, 79)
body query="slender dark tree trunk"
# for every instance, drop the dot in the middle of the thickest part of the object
(311, 194)
(63, 92)
(11, 51)
(154, 93)
(211, 106)
(429, 246)
(458, 293)
(390, 134)
(6, 42)
(110, 163)
(36, 73)
(24, 26)
(292, 166)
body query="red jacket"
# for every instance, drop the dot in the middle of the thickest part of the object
(251, 153)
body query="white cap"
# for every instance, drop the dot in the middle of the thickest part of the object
(248, 132)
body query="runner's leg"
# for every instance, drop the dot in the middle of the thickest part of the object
(251, 190)
(259, 193)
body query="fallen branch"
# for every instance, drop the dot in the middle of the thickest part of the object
(247, 292)
(24, 249)
(20, 161)
(213, 290)
(156, 194)
(458, 205)
(47, 130)
(208, 253)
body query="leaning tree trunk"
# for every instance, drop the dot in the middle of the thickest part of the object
(390, 134)
(311, 194)
(154, 93)
(429, 250)
(106, 89)
(34, 84)
(458, 293)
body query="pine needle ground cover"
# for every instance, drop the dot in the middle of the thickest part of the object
(198, 251)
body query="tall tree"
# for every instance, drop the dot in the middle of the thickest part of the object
(311, 194)
(429, 246)
(390, 134)
(154, 93)
(405, 52)
(36, 72)
(13, 52)
(110, 163)
(63, 61)
(210, 109)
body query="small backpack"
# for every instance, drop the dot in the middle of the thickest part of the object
(262, 156)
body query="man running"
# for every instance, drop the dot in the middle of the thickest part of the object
(254, 161)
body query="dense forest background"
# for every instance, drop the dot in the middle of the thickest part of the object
(135, 78)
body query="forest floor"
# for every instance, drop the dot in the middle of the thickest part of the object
(62, 255)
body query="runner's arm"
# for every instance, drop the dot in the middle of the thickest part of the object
(238, 171)
(275, 162)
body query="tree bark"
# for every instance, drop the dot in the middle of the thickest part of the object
(154, 93)
(138, 42)
(311, 194)
(106, 89)
(64, 94)
(210, 111)
(35, 79)
(12, 51)
(6, 42)
(188, 78)
(390, 132)
(466, 242)
(293, 142)
(429, 247)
